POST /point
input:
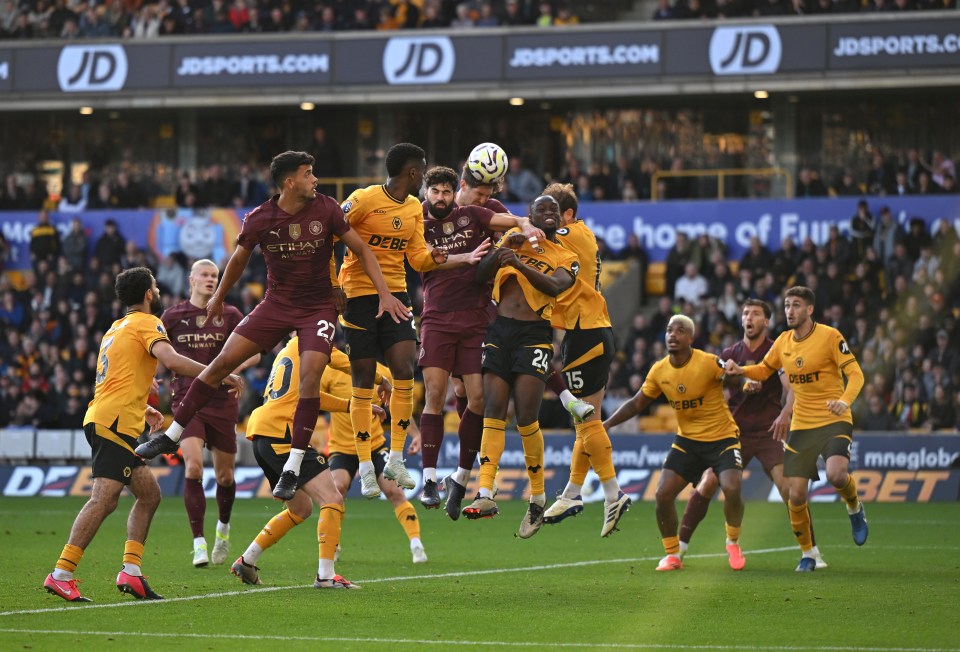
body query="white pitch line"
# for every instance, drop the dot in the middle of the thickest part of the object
(401, 578)
(535, 644)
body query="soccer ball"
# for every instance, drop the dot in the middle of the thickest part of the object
(487, 163)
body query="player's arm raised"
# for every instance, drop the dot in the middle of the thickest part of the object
(184, 366)
(231, 274)
(505, 221)
(629, 409)
(469, 258)
(388, 303)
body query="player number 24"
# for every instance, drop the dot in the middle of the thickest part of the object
(541, 359)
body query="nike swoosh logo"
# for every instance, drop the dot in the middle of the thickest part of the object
(66, 591)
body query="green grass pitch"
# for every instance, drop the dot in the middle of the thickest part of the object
(484, 589)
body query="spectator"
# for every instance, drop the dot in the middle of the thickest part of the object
(942, 413)
(862, 227)
(757, 258)
(877, 417)
(249, 191)
(108, 249)
(44, 242)
(73, 201)
(186, 188)
(523, 182)
(910, 412)
(942, 167)
(664, 11)
(809, 184)
(216, 191)
(691, 286)
(75, 246)
(327, 162)
(677, 258)
(171, 277)
(887, 235)
(104, 197)
(847, 186)
(926, 185)
(880, 178)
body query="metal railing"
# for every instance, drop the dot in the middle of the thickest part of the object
(721, 174)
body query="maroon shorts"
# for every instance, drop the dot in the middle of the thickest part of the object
(215, 425)
(270, 323)
(454, 343)
(763, 446)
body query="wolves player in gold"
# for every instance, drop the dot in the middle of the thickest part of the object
(389, 219)
(815, 358)
(707, 436)
(517, 352)
(115, 418)
(588, 349)
(269, 429)
(342, 451)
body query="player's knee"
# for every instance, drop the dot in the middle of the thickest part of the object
(837, 477)
(225, 477)
(475, 404)
(104, 504)
(433, 400)
(193, 469)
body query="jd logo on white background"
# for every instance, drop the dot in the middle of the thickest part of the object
(753, 50)
(419, 60)
(92, 68)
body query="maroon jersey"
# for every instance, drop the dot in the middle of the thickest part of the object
(182, 322)
(460, 232)
(754, 413)
(496, 206)
(296, 248)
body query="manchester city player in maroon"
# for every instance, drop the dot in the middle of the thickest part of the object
(295, 232)
(214, 425)
(452, 327)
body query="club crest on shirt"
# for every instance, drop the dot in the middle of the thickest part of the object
(294, 231)
(217, 321)
(463, 220)
(397, 223)
(346, 207)
(681, 388)
(315, 227)
(448, 228)
(799, 363)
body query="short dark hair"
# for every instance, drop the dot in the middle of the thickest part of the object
(565, 196)
(805, 294)
(287, 163)
(440, 175)
(400, 155)
(758, 303)
(473, 182)
(132, 284)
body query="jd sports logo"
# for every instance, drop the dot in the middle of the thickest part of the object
(753, 50)
(86, 68)
(419, 60)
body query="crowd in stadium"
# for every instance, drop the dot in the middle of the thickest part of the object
(891, 291)
(112, 18)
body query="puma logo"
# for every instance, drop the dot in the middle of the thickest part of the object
(404, 423)
(363, 436)
(276, 233)
(534, 469)
(185, 322)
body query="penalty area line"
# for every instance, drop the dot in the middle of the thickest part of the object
(525, 644)
(400, 578)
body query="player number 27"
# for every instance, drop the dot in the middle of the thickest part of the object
(541, 359)
(326, 329)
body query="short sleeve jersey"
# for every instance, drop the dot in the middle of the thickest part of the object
(202, 344)
(296, 248)
(546, 258)
(754, 412)
(340, 439)
(462, 231)
(393, 229)
(582, 306)
(695, 392)
(813, 365)
(125, 370)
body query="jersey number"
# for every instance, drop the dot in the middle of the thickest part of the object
(287, 365)
(541, 359)
(574, 379)
(326, 330)
(104, 360)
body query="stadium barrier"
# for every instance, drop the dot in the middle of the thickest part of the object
(890, 467)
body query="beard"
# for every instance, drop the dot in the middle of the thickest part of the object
(440, 213)
(155, 305)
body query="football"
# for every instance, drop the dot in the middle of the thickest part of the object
(487, 163)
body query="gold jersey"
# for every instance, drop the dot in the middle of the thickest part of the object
(125, 370)
(813, 365)
(695, 392)
(275, 417)
(582, 306)
(393, 229)
(340, 438)
(546, 258)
